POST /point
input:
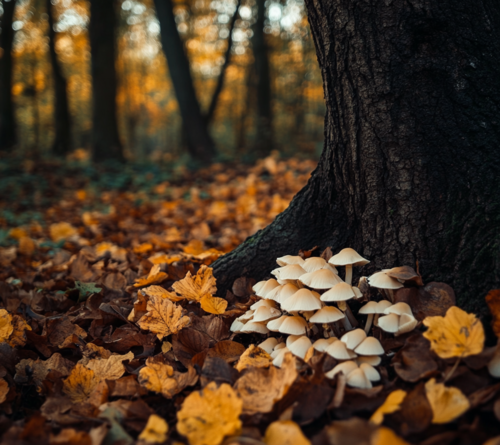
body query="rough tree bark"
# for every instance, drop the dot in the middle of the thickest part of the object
(410, 168)
(106, 144)
(199, 142)
(62, 141)
(7, 119)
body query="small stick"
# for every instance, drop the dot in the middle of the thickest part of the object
(455, 366)
(338, 398)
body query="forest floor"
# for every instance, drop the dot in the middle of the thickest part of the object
(111, 331)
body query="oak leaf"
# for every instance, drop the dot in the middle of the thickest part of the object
(447, 403)
(4, 390)
(159, 377)
(158, 291)
(213, 305)
(154, 276)
(458, 334)
(207, 416)
(285, 432)
(254, 357)
(110, 368)
(155, 430)
(391, 404)
(195, 288)
(163, 317)
(80, 383)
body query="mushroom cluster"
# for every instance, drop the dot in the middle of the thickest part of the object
(307, 301)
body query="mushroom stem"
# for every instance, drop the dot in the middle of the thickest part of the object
(350, 315)
(338, 398)
(391, 295)
(375, 321)
(347, 324)
(368, 324)
(348, 273)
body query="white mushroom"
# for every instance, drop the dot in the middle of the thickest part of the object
(321, 344)
(370, 372)
(251, 326)
(236, 326)
(302, 300)
(338, 350)
(346, 368)
(278, 360)
(286, 292)
(348, 257)
(260, 303)
(274, 325)
(353, 338)
(320, 279)
(291, 338)
(290, 272)
(357, 379)
(247, 316)
(373, 360)
(265, 313)
(289, 259)
(369, 346)
(293, 326)
(327, 314)
(268, 344)
(267, 287)
(300, 346)
(314, 263)
(406, 324)
(389, 323)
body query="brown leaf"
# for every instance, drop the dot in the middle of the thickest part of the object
(230, 351)
(110, 368)
(62, 333)
(415, 414)
(115, 281)
(242, 287)
(4, 390)
(39, 369)
(414, 361)
(195, 288)
(80, 383)
(18, 336)
(431, 300)
(155, 276)
(406, 274)
(213, 305)
(493, 302)
(254, 357)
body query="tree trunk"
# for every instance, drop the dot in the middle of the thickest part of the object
(200, 144)
(106, 144)
(8, 136)
(62, 140)
(410, 168)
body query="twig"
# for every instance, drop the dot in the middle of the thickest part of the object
(453, 369)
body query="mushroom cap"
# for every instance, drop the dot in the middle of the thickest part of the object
(274, 325)
(353, 338)
(389, 323)
(369, 308)
(247, 316)
(279, 346)
(340, 292)
(370, 372)
(320, 279)
(357, 379)
(327, 314)
(346, 257)
(373, 360)
(267, 287)
(263, 302)
(278, 360)
(258, 286)
(285, 292)
(494, 364)
(290, 272)
(346, 368)
(291, 338)
(236, 326)
(405, 273)
(382, 305)
(406, 324)
(289, 259)
(252, 326)
(339, 351)
(332, 268)
(268, 344)
(265, 313)
(369, 346)
(381, 280)
(314, 263)
(276, 272)
(293, 326)
(399, 309)
(357, 293)
(273, 295)
(321, 344)
(302, 300)
(300, 346)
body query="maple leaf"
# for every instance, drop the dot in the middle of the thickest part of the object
(285, 432)
(158, 291)
(4, 390)
(154, 276)
(6, 326)
(110, 368)
(391, 404)
(447, 403)
(254, 357)
(163, 317)
(457, 334)
(159, 377)
(207, 416)
(155, 430)
(213, 305)
(195, 288)
(80, 383)
(61, 231)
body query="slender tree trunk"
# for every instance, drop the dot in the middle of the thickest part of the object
(410, 168)
(200, 144)
(106, 144)
(8, 136)
(62, 141)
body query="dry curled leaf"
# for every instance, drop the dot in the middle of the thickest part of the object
(254, 357)
(155, 276)
(458, 334)
(285, 432)
(155, 430)
(207, 416)
(80, 383)
(158, 291)
(447, 403)
(391, 404)
(213, 305)
(163, 317)
(110, 368)
(195, 288)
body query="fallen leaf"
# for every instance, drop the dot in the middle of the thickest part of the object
(6, 327)
(155, 430)
(207, 416)
(228, 350)
(414, 361)
(195, 288)
(157, 291)
(4, 390)
(61, 231)
(415, 414)
(458, 334)
(254, 357)
(213, 305)
(39, 369)
(70, 436)
(155, 276)
(447, 403)
(18, 336)
(80, 383)
(391, 404)
(143, 248)
(285, 432)
(26, 246)
(163, 317)
(110, 368)
(385, 436)
(493, 302)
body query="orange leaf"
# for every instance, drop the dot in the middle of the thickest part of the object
(213, 305)
(154, 276)
(195, 288)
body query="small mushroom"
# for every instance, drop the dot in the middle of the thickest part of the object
(382, 281)
(353, 338)
(300, 346)
(314, 263)
(302, 300)
(373, 360)
(290, 272)
(338, 350)
(252, 326)
(258, 286)
(327, 314)
(369, 346)
(274, 325)
(406, 324)
(268, 345)
(399, 309)
(320, 279)
(267, 287)
(348, 257)
(358, 379)
(289, 259)
(264, 302)
(278, 360)
(389, 323)
(321, 344)
(273, 295)
(247, 316)
(265, 313)
(286, 292)
(340, 293)
(372, 309)
(291, 338)
(370, 372)
(293, 326)
(236, 326)
(345, 367)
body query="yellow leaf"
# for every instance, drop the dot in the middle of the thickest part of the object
(4, 390)
(213, 305)
(447, 403)
(385, 436)
(391, 404)
(154, 276)
(143, 248)
(61, 231)
(155, 430)
(110, 368)
(285, 432)
(207, 416)
(163, 317)
(194, 247)
(80, 383)
(458, 334)
(161, 258)
(195, 288)
(159, 377)
(254, 357)
(6, 327)
(158, 291)
(26, 246)
(18, 336)
(18, 233)
(166, 346)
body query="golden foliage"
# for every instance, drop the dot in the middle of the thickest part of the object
(158, 291)
(458, 334)
(154, 276)
(254, 357)
(6, 327)
(12, 328)
(4, 390)
(285, 432)
(80, 383)
(213, 305)
(110, 368)
(195, 288)
(163, 317)
(155, 430)
(447, 403)
(391, 404)
(207, 416)
(385, 436)
(61, 231)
